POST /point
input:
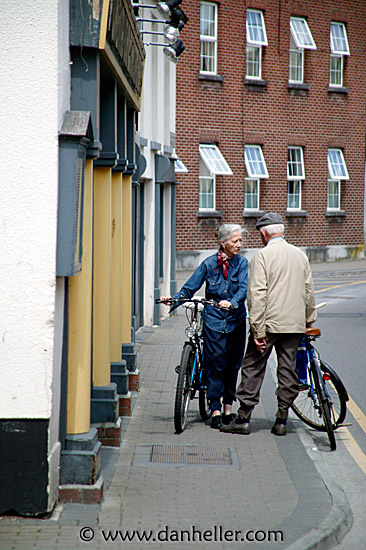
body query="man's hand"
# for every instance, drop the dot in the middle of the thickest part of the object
(260, 344)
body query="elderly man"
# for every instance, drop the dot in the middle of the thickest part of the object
(281, 304)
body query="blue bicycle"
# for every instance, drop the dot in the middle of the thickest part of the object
(192, 381)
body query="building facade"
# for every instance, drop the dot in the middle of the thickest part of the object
(79, 226)
(273, 119)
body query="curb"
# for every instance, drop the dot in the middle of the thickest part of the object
(339, 519)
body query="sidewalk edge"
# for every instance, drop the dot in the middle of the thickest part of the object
(339, 519)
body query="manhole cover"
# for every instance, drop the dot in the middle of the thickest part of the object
(184, 454)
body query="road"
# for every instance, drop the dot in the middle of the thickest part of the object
(343, 346)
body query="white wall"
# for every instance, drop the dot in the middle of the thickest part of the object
(34, 95)
(156, 122)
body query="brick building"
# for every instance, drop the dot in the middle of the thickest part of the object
(271, 117)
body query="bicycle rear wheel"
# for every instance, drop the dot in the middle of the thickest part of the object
(308, 410)
(323, 401)
(184, 389)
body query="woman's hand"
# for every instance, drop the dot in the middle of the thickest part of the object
(225, 304)
(166, 300)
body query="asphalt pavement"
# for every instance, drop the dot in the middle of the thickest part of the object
(202, 488)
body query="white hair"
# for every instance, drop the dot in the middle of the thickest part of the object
(274, 228)
(227, 229)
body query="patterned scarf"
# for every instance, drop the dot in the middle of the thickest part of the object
(223, 260)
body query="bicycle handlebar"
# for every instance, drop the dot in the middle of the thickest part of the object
(203, 301)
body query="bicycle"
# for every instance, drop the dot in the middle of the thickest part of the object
(191, 371)
(322, 399)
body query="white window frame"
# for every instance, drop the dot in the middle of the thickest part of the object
(212, 178)
(294, 182)
(257, 183)
(255, 44)
(337, 54)
(332, 72)
(298, 163)
(299, 53)
(336, 173)
(255, 75)
(338, 195)
(209, 39)
(214, 160)
(180, 167)
(343, 39)
(255, 163)
(301, 33)
(251, 30)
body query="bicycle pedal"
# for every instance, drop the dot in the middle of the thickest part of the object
(177, 369)
(344, 425)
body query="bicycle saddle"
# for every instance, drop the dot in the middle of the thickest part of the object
(310, 331)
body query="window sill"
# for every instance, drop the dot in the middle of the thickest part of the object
(210, 214)
(254, 82)
(335, 213)
(253, 213)
(338, 90)
(298, 86)
(296, 213)
(211, 77)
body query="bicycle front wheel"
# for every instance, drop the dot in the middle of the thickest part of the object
(184, 389)
(306, 405)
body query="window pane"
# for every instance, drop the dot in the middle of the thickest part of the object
(208, 38)
(336, 70)
(207, 193)
(253, 61)
(295, 167)
(214, 160)
(296, 63)
(256, 31)
(338, 39)
(251, 198)
(208, 56)
(336, 164)
(294, 195)
(208, 20)
(334, 194)
(301, 33)
(254, 162)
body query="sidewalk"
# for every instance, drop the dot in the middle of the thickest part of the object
(238, 487)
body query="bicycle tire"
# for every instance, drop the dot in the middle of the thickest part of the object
(303, 406)
(204, 406)
(183, 390)
(324, 405)
(328, 423)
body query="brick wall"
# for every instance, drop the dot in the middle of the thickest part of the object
(231, 113)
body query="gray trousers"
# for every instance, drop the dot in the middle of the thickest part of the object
(254, 367)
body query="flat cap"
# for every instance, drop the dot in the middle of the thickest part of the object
(269, 219)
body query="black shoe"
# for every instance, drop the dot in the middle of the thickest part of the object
(227, 418)
(216, 422)
(237, 426)
(278, 429)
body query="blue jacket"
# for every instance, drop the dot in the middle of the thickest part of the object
(234, 289)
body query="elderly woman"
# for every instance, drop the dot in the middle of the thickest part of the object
(224, 330)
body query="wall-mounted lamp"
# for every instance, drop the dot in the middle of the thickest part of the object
(173, 51)
(165, 8)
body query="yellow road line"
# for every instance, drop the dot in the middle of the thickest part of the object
(353, 448)
(357, 414)
(338, 286)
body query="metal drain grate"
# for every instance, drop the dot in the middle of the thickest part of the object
(187, 454)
